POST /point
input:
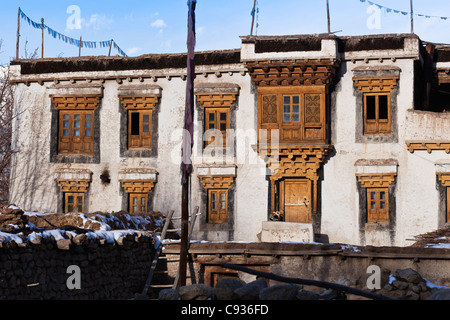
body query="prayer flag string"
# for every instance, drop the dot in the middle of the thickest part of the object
(69, 40)
(390, 10)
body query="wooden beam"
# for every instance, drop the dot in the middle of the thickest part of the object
(321, 284)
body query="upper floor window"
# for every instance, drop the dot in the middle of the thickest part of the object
(76, 123)
(298, 113)
(376, 104)
(377, 113)
(216, 101)
(76, 132)
(140, 120)
(139, 129)
(217, 119)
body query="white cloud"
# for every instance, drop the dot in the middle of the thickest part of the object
(159, 24)
(134, 50)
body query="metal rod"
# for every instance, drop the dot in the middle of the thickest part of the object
(253, 17)
(18, 35)
(412, 16)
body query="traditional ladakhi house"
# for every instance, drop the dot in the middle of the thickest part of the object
(342, 139)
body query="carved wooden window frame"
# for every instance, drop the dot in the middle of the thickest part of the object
(312, 124)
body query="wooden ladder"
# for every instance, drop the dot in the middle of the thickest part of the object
(159, 256)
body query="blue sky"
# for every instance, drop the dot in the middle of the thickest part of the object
(155, 26)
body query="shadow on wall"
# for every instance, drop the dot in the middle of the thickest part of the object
(30, 171)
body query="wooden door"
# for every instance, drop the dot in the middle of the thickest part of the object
(296, 200)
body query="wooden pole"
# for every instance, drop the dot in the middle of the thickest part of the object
(79, 49)
(328, 16)
(18, 35)
(110, 46)
(42, 21)
(253, 17)
(412, 16)
(184, 247)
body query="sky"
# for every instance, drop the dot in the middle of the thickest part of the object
(155, 26)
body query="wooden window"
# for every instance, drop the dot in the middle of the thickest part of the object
(299, 114)
(74, 202)
(217, 119)
(139, 129)
(377, 204)
(138, 203)
(377, 113)
(218, 206)
(76, 134)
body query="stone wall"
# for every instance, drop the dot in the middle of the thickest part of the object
(38, 268)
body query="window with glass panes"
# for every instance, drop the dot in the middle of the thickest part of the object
(291, 113)
(217, 119)
(218, 206)
(377, 205)
(138, 203)
(74, 202)
(76, 134)
(140, 129)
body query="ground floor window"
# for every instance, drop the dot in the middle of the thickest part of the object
(138, 203)
(218, 206)
(74, 202)
(377, 205)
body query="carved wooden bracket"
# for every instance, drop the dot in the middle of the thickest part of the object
(292, 72)
(217, 182)
(429, 146)
(75, 102)
(444, 178)
(138, 186)
(376, 84)
(74, 186)
(139, 102)
(216, 99)
(383, 180)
